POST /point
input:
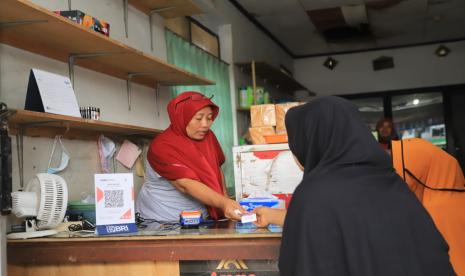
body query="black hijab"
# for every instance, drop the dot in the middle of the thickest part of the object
(352, 214)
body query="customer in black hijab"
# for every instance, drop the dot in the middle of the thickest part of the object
(352, 214)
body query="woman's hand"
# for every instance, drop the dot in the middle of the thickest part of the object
(266, 216)
(230, 208)
(209, 197)
(263, 216)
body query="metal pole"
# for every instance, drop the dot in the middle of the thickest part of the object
(125, 6)
(128, 91)
(254, 83)
(151, 31)
(157, 98)
(19, 152)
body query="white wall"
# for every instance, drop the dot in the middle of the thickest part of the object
(91, 88)
(415, 67)
(248, 43)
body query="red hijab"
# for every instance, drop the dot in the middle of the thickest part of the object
(174, 155)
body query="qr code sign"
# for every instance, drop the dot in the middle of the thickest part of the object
(114, 198)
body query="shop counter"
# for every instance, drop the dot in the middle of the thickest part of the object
(154, 250)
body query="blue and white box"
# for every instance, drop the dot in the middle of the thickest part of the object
(251, 203)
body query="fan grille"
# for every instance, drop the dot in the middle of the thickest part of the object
(53, 200)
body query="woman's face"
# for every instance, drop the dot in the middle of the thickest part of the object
(200, 124)
(385, 130)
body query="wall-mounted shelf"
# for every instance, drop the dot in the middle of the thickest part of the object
(30, 27)
(273, 76)
(167, 8)
(39, 124)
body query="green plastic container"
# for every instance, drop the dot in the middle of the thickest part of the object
(87, 210)
(249, 96)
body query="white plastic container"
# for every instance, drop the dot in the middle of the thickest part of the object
(265, 169)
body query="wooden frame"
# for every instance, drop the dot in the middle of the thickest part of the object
(196, 25)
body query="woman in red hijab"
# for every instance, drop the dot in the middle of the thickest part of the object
(185, 165)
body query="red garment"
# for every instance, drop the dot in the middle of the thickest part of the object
(174, 155)
(384, 146)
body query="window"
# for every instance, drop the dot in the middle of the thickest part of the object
(420, 115)
(371, 110)
(204, 38)
(196, 33)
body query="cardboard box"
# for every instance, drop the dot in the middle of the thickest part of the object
(281, 110)
(263, 115)
(257, 134)
(87, 21)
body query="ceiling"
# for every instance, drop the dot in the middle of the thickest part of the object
(322, 27)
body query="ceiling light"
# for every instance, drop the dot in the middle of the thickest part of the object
(437, 18)
(330, 63)
(416, 101)
(442, 51)
(383, 63)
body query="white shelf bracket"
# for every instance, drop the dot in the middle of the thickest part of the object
(152, 12)
(129, 84)
(73, 57)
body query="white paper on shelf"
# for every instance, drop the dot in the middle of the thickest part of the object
(57, 93)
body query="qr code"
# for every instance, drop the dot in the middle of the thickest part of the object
(114, 198)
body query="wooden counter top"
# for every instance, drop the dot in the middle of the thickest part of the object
(217, 244)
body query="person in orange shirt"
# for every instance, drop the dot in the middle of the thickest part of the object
(438, 182)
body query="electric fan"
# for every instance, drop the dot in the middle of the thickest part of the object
(42, 205)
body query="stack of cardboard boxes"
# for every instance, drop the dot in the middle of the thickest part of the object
(267, 121)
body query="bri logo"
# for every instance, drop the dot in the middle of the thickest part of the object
(117, 228)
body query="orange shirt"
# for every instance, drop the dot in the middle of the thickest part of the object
(436, 169)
